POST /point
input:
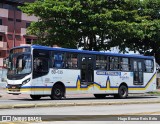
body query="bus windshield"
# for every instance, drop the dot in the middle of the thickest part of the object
(20, 64)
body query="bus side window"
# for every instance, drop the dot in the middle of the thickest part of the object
(114, 63)
(58, 60)
(41, 65)
(148, 66)
(125, 64)
(101, 62)
(71, 60)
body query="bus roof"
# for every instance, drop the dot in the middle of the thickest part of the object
(87, 52)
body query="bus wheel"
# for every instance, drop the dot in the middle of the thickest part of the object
(122, 92)
(35, 97)
(57, 92)
(100, 96)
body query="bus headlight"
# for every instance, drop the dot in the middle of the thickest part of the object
(26, 81)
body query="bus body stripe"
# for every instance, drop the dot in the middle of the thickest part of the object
(79, 87)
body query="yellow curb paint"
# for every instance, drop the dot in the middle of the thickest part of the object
(24, 106)
(64, 104)
(83, 104)
(45, 105)
(6, 106)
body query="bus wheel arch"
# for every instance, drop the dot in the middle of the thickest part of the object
(122, 91)
(58, 91)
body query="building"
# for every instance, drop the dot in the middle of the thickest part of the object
(13, 24)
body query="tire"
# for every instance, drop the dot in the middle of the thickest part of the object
(57, 92)
(100, 96)
(122, 92)
(35, 97)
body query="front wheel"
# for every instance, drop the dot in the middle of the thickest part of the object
(57, 92)
(35, 97)
(122, 92)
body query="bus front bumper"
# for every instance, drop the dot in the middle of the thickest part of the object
(17, 89)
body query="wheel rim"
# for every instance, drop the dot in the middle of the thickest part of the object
(57, 92)
(123, 92)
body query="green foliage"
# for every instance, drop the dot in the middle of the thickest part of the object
(97, 24)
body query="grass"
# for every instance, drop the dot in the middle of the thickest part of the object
(154, 93)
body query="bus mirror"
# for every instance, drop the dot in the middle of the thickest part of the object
(20, 63)
(157, 67)
(9, 64)
(5, 62)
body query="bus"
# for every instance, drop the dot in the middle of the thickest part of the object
(56, 72)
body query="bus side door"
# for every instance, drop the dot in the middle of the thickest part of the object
(137, 71)
(87, 69)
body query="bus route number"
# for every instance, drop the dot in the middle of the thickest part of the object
(56, 71)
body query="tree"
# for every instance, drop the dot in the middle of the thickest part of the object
(71, 22)
(98, 24)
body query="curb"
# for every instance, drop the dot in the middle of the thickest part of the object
(75, 104)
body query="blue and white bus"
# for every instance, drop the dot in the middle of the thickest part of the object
(45, 71)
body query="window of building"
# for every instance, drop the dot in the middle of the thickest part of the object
(10, 36)
(28, 24)
(1, 38)
(10, 19)
(113, 63)
(28, 41)
(18, 37)
(71, 60)
(18, 20)
(0, 21)
(125, 64)
(101, 62)
(1, 5)
(8, 6)
(148, 65)
(17, 9)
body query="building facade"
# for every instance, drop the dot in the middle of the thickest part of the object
(13, 25)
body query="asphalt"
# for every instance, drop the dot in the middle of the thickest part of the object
(4, 96)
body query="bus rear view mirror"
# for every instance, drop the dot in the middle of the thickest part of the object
(9, 64)
(20, 63)
(6, 63)
(157, 67)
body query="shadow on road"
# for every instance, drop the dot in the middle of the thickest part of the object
(88, 98)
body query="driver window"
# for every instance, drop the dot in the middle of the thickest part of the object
(41, 65)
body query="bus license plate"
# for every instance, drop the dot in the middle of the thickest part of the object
(13, 87)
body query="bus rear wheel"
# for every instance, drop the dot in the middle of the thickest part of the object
(122, 92)
(35, 97)
(100, 96)
(57, 92)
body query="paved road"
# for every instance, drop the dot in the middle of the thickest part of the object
(8, 99)
(89, 113)
(130, 109)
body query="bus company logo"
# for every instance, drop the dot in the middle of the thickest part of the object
(6, 118)
(56, 71)
(108, 73)
(113, 73)
(124, 76)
